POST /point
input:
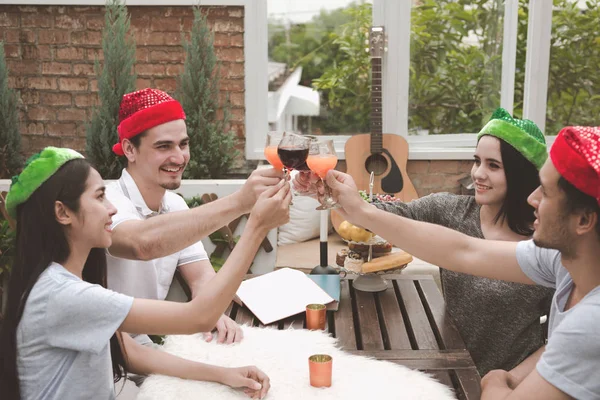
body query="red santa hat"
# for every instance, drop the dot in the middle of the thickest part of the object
(143, 110)
(576, 156)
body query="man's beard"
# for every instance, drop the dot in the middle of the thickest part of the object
(171, 185)
(560, 239)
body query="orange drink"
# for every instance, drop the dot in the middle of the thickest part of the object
(320, 164)
(272, 157)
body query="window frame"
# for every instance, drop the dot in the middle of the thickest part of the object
(394, 15)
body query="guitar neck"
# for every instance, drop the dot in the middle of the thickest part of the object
(376, 106)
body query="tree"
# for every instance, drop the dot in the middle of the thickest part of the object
(346, 84)
(455, 65)
(315, 46)
(115, 78)
(211, 140)
(455, 69)
(574, 77)
(10, 139)
(309, 45)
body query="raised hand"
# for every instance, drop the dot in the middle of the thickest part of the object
(305, 182)
(258, 181)
(272, 209)
(346, 194)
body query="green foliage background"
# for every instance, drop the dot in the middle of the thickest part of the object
(455, 70)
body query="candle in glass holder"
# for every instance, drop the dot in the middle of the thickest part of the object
(315, 316)
(320, 368)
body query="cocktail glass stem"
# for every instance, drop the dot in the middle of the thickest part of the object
(327, 201)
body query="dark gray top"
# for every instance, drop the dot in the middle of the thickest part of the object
(499, 321)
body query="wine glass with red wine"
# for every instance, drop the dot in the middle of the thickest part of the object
(293, 151)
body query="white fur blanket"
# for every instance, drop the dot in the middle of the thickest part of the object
(283, 356)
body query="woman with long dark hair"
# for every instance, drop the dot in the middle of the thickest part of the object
(61, 332)
(499, 321)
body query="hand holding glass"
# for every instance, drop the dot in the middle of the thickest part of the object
(321, 159)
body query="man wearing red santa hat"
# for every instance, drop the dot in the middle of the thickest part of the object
(154, 232)
(564, 254)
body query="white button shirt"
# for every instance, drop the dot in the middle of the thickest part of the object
(145, 279)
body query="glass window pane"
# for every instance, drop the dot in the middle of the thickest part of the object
(327, 40)
(456, 65)
(574, 76)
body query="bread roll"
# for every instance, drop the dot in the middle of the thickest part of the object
(391, 261)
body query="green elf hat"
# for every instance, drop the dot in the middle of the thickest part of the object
(522, 134)
(38, 168)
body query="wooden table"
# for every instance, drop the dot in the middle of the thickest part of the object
(407, 324)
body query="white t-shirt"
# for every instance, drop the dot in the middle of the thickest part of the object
(572, 358)
(145, 279)
(63, 338)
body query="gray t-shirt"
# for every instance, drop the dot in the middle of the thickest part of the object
(571, 361)
(63, 338)
(499, 321)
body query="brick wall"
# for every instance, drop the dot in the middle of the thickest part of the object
(438, 175)
(50, 53)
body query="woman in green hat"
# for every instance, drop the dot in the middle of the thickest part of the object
(499, 321)
(61, 332)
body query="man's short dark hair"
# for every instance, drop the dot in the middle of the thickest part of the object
(579, 201)
(135, 141)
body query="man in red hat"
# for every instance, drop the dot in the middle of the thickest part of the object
(154, 232)
(564, 254)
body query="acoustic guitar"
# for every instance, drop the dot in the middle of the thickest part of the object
(383, 154)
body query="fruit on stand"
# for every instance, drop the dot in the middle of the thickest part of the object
(354, 233)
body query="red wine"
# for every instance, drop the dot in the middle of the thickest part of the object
(292, 157)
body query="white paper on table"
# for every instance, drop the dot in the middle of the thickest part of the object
(280, 294)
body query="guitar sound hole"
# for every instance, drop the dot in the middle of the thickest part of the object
(376, 163)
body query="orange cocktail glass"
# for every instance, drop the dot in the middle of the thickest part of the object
(320, 164)
(321, 159)
(272, 157)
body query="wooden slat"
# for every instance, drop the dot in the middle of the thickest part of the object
(419, 324)
(395, 330)
(368, 321)
(469, 384)
(230, 308)
(414, 360)
(441, 376)
(460, 357)
(434, 364)
(244, 317)
(343, 319)
(274, 325)
(445, 327)
(294, 322)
